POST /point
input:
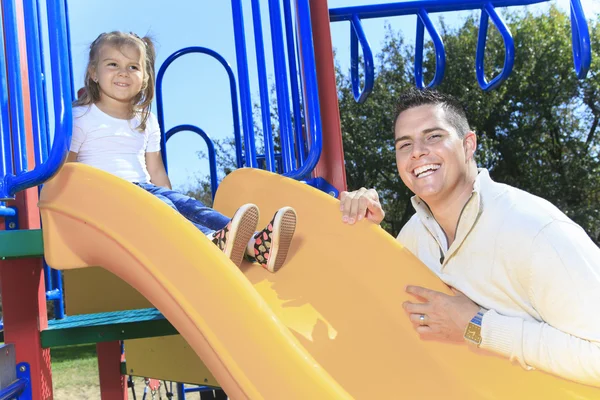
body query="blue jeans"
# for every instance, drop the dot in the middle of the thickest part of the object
(204, 218)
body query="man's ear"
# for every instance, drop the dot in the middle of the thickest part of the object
(470, 145)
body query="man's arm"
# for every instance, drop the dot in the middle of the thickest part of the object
(564, 288)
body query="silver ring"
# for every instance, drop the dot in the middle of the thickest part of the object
(422, 319)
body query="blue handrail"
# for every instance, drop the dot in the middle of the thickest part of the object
(308, 77)
(265, 105)
(281, 87)
(212, 159)
(6, 166)
(296, 102)
(311, 92)
(15, 91)
(244, 80)
(44, 117)
(580, 34)
(232, 90)
(13, 390)
(438, 45)
(357, 34)
(36, 91)
(579, 30)
(61, 92)
(509, 46)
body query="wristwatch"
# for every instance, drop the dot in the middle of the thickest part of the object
(473, 331)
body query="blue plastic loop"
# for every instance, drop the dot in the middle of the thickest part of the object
(487, 12)
(232, 90)
(438, 45)
(580, 34)
(212, 159)
(357, 34)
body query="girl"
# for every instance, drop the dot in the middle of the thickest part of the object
(114, 130)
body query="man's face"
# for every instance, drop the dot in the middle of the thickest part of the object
(432, 159)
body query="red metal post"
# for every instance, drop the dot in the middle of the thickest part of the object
(22, 281)
(113, 385)
(331, 165)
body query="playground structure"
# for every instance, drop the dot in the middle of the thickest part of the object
(258, 335)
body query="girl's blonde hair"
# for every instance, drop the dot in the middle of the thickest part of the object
(141, 103)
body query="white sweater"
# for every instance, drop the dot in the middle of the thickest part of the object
(537, 272)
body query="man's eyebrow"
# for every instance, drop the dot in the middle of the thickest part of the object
(424, 132)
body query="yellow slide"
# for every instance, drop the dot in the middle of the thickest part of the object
(328, 325)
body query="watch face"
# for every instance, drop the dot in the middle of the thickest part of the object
(473, 333)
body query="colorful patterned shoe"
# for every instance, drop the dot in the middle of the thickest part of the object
(234, 238)
(272, 243)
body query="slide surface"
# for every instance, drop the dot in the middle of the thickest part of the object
(328, 325)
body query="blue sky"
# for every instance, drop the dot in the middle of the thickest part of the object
(196, 89)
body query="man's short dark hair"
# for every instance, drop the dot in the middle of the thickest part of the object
(455, 113)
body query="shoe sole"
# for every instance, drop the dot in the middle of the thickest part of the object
(284, 227)
(241, 232)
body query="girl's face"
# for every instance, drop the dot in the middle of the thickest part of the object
(119, 74)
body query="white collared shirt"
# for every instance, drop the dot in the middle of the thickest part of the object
(537, 272)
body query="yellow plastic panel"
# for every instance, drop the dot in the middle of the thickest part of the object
(167, 358)
(95, 290)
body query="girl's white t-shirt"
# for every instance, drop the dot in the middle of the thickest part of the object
(112, 144)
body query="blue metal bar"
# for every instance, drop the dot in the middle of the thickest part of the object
(245, 98)
(53, 295)
(6, 166)
(201, 389)
(212, 159)
(232, 91)
(413, 7)
(580, 34)
(15, 90)
(440, 52)
(59, 301)
(357, 34)
(24, 373)
(509, 46)
(265, 105)
(291, 49)
(47, 279)
(13, 390)
(44, 117)
(32, 35)
(311, 93)
(180, 391)
(68, 31)
(61, 92)
(6, 211)
(281, 86)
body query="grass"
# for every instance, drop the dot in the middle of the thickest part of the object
(74, 366)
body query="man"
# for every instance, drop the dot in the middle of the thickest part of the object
(526, 279)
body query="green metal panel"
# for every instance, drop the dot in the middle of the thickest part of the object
(21, 243)
(106, 327)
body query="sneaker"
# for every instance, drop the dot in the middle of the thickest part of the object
(234, 238)
(271, 245)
